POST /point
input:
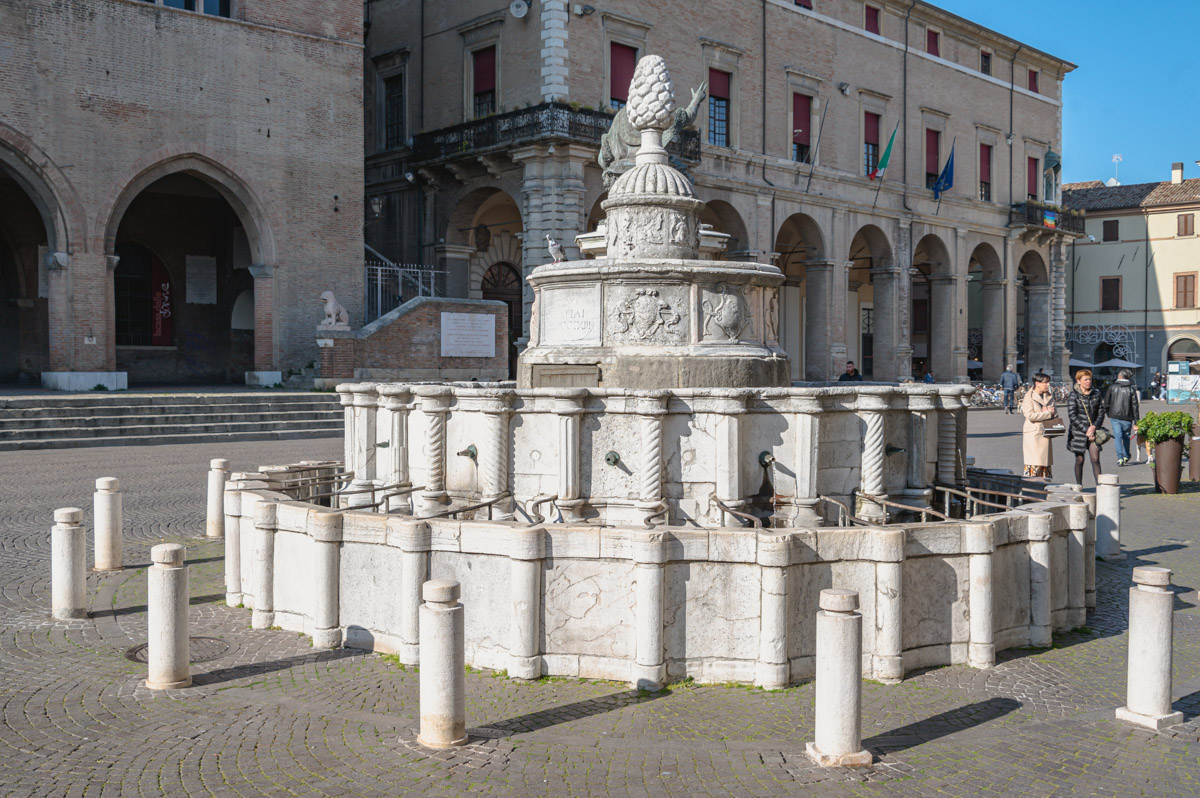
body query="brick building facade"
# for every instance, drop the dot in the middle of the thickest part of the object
(482, 130)
(179, 181)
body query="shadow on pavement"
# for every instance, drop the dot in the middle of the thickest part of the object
(941, 725)
(259, 668)
(194, 600)
(567, 713)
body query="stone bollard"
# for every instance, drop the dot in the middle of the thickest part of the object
(1151, 628)
(1108, 518)
(107, 520)
(68, 578)
(217, 475)
(839, 682)
(443, 666)
(167, 618)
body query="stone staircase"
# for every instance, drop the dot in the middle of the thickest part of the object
(130, 419)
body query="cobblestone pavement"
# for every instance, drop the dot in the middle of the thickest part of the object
(268, 715)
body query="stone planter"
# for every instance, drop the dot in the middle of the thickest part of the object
(1168, 462)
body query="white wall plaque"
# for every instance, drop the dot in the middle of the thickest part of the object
(571, 316)
(468, 335)
(201, 279)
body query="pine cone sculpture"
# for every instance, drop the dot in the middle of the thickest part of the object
(651, 95)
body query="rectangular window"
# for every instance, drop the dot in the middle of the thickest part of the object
(1110, 293)
(217, 8)
(805, 4)
(393, 112)
(718, 107)
(1185, 224)
(1033, 81)
(801, 127)
(186, 5)
(1112, 230)
(622, 59)
(483, 85)
(985, 172)
(870, 142)
(1031, 179)
(985, 63)
(1185, 290)
(872, 20)
(931, 42)
(933, 148)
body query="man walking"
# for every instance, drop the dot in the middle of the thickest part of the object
(1121, 406)
(1009, 381)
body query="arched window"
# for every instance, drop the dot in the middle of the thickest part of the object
(1183, 349)
(144, 299)
(1103, 353)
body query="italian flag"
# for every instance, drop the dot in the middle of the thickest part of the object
(878, 171)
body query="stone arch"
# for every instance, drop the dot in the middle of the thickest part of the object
(873, 312)
(1033, 314)
(596, 214)
(986, 261)
(234, 188)
(1033, 268)
(870, 247)
(725, 219)
(48, 188)
(1172, 343)
(985, 312)
(932, 255)
(799, 239)
(504, 247)
(804, 314)
(469, 212)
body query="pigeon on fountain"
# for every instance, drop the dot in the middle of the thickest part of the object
(556, 250)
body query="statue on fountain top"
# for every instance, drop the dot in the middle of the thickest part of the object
(618, 145)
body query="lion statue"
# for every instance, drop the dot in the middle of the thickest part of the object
(335, 313)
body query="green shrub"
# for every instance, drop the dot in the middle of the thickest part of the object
(1159, 427)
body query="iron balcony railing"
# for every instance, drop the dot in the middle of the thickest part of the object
(389, 285)
(1051, 217)
(548, 121)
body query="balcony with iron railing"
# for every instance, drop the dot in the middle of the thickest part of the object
(546, 122)
(1031, 214)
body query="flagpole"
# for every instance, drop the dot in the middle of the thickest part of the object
(816, 147)
(880, 186)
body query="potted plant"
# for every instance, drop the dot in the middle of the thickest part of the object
(1167, 432)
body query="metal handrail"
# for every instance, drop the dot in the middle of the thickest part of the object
(664, 509)
(307, 481)
(885, 502)
(948, 491)
(845, 514)
(754, 520)
(531, 508)
(382, 500)
(453, 511)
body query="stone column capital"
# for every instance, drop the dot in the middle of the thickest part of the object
(652, 403)
(434, 398)
(111, 261)
(395, 397)
(366, 396)
(819, 264)
(262, 271)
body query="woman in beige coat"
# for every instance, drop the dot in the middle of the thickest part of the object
(1037, 406)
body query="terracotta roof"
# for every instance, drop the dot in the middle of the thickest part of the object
(1095, 196)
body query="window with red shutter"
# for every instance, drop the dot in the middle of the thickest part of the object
(801, 127)
(718, 107)
(872, 21)
(1031, 179)
(483, 85)
(804, 4)
(1033, 80)
(933, 141)
(985, 172)
(1185, 290)
(622, 60)
(931, 42)
(870, 142)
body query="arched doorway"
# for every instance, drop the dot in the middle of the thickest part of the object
(724, 218)
(1186, 349)
(985, 314)
(1033, 315)
(184, 260)
(872, 298)
(24, 307)
(502, 282)
(934, 297)
(805, 313)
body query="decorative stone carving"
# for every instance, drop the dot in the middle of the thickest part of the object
(618, 144)
(336, 316)
(645, 316)
(772, 319)
(728, 312)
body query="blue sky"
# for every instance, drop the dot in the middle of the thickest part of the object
(1134, 91)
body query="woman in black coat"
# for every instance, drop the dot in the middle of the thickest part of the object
(1085, 413)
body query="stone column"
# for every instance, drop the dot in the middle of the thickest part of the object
(416, 541)
(1040, 620)
(167, 600)
(1037, 331)
(326, 532)
(435, 404)
(948, 455)
(995, 333)
(774, 557)
(265, 514)
(888, 292)
(870, 410)
(649, 671)
(527, 549)
(395, 399)
(455, 262)
(233, 544)
(651, 407)
(443, 680)
(366, 410)
(729, 405)
(1108, 518)
(918, 492)
(493, 460)
(808, 464)
(68, 578)
(821, 279)
(1076, 566)
(108, 523)
(839, 683)
(217, 475)
(1151, 646)
(568, 404)
(979, 543)
(1059, 352)
(265, 371)
(1013, 298)
(943, 298)
(346, 397)
(61, 321)
(887, 662)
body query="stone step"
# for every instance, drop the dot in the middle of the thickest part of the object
(170, 416)
(153, 411)
(58, 402)
(150, 430)
(149, 440)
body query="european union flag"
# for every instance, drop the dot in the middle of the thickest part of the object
(945, 180)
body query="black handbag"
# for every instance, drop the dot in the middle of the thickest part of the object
(1103, 436)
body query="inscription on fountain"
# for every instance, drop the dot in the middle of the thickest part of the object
(573, 317)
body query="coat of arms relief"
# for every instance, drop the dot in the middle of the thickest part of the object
(645, 316)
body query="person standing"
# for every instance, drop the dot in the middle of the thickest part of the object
(1009, 381)
(1037, 406)
(851, 374)
(1085, 414)
(1121, 405)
